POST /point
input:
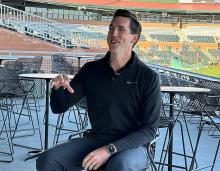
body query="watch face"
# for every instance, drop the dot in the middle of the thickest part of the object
(111, 148)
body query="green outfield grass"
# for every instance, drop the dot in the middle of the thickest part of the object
(213, 70)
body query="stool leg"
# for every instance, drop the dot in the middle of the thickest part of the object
(183, 143)
(197, 143)
(5, 120)
(58, 129)
(190, 140)
(216, 154)
(166, 150)
(161, 156)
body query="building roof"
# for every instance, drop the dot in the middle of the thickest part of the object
(141, 6)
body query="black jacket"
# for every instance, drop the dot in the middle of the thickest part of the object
(123, 107)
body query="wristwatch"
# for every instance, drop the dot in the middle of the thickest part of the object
(111, 149)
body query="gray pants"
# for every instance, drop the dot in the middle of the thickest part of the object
(69, 157)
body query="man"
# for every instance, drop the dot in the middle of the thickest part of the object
(123, 99)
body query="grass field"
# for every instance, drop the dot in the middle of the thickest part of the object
(213, 70)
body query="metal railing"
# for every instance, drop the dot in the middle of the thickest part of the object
(190, 76)
(18, 53)
(36, 26)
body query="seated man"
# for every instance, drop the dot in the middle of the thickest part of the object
(123, 99)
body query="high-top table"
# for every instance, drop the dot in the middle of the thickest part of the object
(47, 77)
(172, 90)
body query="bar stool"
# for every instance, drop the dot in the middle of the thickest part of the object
(167, 122)
(78, 118)
(16, 93)
(211, 118)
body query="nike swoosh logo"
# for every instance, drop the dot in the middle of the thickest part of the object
(132, 82)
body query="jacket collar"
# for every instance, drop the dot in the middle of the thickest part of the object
(134, 59)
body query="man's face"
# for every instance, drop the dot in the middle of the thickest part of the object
(119, 37)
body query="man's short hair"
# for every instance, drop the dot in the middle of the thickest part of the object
(135, 26)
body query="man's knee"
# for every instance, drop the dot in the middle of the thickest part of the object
(51, 161)
(120, 165)
(125, 161)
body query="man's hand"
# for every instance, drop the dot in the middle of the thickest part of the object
(95, 159)
(62, 81)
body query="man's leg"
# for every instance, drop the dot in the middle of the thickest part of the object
(129, 160)
(65, 157)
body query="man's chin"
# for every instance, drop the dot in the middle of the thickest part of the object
(113, 50)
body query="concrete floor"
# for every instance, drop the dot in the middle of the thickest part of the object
(206, 148)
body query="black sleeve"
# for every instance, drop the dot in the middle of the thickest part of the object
(61, 100)
(150, 113)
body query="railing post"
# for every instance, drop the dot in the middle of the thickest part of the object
(1, 11)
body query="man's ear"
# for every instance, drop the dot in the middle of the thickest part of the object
(135, 38)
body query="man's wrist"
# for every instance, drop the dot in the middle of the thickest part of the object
(111, 149)
(56, 87)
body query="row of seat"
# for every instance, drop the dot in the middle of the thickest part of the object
(202, 39)
(165, 37)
